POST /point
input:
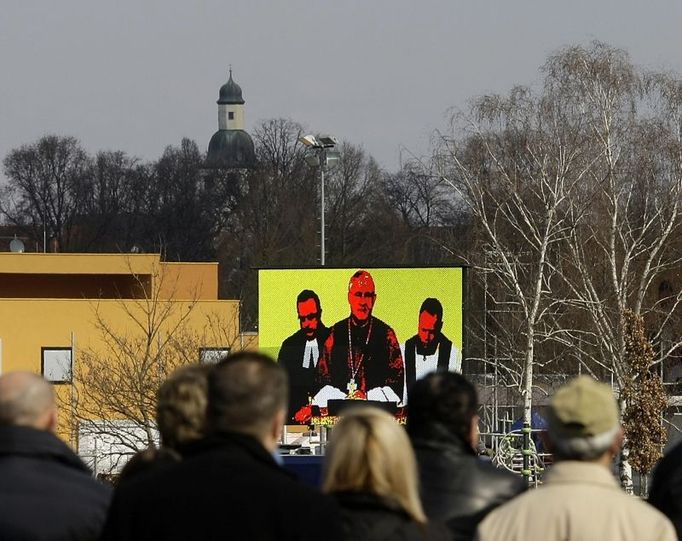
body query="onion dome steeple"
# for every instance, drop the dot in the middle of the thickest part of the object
(231, 147)
(230, 93)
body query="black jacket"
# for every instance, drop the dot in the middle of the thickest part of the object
(666, 487)
(46, 492)
(228, 487)
(458, 488)
(367, 517)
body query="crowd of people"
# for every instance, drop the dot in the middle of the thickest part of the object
(218, 474)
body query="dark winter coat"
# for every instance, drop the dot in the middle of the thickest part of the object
(46, 492)
(367, 517)
(457, 487)
(227, 487)
(666, 487)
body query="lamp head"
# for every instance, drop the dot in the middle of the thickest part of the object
(309, 141)
(333, 157)
(313, 160)
(328, 141)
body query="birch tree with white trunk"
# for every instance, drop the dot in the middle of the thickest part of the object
(615, 257)
(516, 162)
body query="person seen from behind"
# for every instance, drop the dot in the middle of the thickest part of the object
(46, 492)
(228, 484)
(371, 471)
(457, 487)
(666, 487)
(580, 499)
(181, 417)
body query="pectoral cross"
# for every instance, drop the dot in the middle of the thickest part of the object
(352, 387)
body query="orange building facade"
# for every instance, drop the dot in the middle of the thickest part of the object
(57, 310)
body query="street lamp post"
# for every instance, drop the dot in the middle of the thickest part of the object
(323, 166)
(323, 156)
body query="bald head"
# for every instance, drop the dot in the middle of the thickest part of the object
(361, 296)
(361, 278)
(26, 399)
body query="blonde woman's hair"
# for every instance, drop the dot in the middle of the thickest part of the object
(370, 452)
(181, 405)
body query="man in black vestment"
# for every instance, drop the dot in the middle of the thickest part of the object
(429, 350)
(300, 353)
(361, 356)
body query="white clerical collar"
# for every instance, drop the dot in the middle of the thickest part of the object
(311, 353)
(429, 356)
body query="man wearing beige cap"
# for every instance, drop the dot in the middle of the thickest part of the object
(580, 499)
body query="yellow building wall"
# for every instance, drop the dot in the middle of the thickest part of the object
(29, 323)
(188, 281)
(249, 340)
(37, 263)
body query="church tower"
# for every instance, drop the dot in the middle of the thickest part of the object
(231, 147)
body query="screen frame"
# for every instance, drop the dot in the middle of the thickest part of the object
(466, 269)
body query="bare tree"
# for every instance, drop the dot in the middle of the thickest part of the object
(45, 188)
(420, 196)
(187, 206)
(516, 163)
(113, 212)
(349, 202)
(274, 221)
(142, 341)
(630, 205)
(575, 194)
(431, 218)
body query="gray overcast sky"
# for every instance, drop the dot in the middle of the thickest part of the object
(140, 75)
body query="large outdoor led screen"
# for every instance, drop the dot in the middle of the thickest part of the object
(368, 334)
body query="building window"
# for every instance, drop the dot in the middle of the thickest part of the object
(212, 355)
(56, 364)
(230, 115)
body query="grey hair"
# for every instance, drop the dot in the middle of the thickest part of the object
(589, 448)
